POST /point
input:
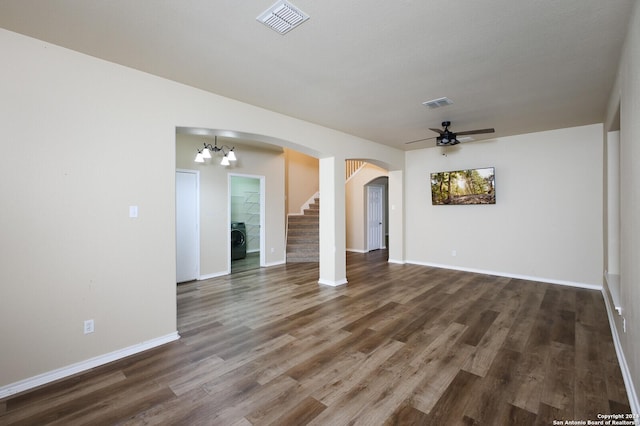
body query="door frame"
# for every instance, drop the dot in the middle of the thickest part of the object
(262, 214)
(197, 175)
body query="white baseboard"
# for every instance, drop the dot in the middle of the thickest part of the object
(624, 367)
(61, 373)
(363, 251)
(332, 283)
(509, 275)
(214, 275)
(279, 262)
(356, 250)
(399, 262)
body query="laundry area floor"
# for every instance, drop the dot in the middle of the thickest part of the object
(251, 261)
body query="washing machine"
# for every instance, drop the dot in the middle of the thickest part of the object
(238, 240)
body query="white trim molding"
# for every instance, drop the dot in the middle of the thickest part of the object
(79, 367)
(332, 283)
(356, 250)
(509, 275)
(214, 275)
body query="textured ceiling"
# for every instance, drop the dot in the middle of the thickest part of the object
(364, 67)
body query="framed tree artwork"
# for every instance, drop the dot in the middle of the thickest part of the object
(463, 187)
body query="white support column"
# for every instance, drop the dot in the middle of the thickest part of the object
(396, 216)
(333, 263)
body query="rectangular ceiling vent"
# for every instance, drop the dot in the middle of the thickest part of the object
(437, 103)
(282, 17)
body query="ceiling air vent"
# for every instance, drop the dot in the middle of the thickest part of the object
(437, 103)
(282, 17)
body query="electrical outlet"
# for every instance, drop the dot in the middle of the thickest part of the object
(454, 253)
(88, 326)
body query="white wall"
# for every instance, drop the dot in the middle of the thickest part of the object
(546, 223)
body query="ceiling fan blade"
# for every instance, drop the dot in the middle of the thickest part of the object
(420, 140)
(437, 130)
(475, 132)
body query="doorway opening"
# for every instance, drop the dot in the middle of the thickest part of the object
(246, 210)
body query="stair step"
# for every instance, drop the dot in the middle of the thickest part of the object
(293, 230)
(303, 218)
(306, 232)
(304, 228)
(303, 246)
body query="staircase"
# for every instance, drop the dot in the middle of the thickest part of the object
(303, 235)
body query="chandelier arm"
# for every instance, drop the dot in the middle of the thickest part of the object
(215, 148)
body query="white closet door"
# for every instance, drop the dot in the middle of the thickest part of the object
(374, 215)
(187, 240)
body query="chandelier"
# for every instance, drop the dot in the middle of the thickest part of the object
(228, 154)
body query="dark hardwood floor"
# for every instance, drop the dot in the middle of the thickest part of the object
(400, 344)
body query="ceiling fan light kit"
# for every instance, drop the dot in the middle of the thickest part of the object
(447, 140)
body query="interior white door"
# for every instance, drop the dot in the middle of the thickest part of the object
(187, 240)
(375, 234)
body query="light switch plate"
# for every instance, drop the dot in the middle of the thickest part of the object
(133, 211)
